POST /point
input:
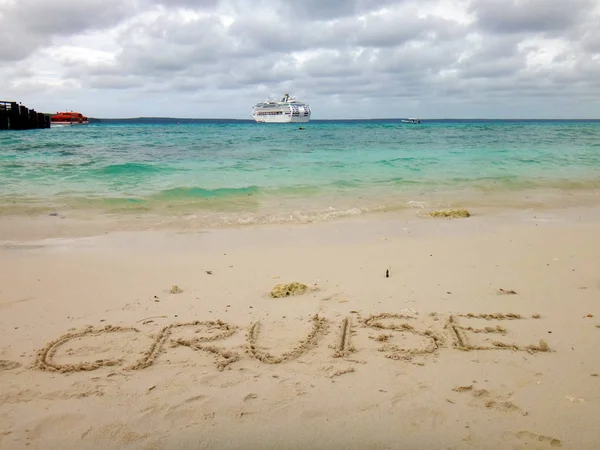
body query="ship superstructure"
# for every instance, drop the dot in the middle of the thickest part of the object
(286, 110)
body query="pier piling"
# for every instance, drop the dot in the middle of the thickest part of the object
(14, 116)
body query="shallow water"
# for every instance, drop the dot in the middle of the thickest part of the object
(242, 172)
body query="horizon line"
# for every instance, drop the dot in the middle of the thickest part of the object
(354, 119)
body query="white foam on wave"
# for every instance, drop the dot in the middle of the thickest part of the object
(415, 204)
(299, 217)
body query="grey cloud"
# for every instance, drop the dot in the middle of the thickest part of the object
(14, 45)
(67, 17)
(335, 64)
(418, 61)
(206, 5)
(168, 46)
(530, 16)
(503, 67)
(26, 25)
(261, 35)
(113, 82)
(384, 30)
(329, 9)
(591, 41)
(502, 46)
(496, 57)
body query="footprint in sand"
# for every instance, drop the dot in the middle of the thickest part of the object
(530, 438)
(196, 398)
(116, 433)
(179, 416)
(54, 426)
(484, 398)
(8, 365)
(28, 395)
(7, 421)
(190, 411)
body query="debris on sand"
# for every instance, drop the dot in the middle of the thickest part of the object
(463, 388)
(288, 289)
(541, 347)
(382, 337)
(451, 213)
(506, 292)
(342, 372)
(495, 316)
(175, 289)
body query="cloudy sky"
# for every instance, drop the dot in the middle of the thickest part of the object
(346, 58)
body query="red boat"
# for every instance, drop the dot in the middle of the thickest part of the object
(68, 118)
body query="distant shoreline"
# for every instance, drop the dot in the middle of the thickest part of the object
(141, 120)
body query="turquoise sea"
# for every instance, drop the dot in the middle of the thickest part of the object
(240, 172)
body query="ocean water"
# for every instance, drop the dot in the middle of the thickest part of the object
(243, 172)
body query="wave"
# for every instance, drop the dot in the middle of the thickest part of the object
(197, 192)
(131, 168)
(354, 183)
(408, 162)
(528, 160)
(401, 181)
(49, 145)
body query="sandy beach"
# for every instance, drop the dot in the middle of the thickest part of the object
(484, 335)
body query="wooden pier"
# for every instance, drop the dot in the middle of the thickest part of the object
(14, 116)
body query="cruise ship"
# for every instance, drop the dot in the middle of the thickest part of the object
(287, 110)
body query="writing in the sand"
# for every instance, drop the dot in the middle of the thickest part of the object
(397, 336)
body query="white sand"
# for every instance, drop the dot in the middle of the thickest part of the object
(444, 394)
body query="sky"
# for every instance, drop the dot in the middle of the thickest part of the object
(345, 58)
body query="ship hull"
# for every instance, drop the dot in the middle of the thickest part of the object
(281, 119)
(67, 124)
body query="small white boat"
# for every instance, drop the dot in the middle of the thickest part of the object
(411, 120)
